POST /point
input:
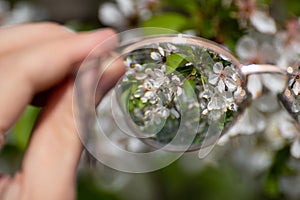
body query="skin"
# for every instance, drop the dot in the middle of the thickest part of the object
(39, 59)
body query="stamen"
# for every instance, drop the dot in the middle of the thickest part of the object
(290, 70)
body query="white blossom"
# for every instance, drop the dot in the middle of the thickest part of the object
(263, 22)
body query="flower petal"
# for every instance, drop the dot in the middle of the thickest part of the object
(161, 51)
(213, 79)
(295, 149)
(275, 83)
(270, 54)
(140, 76)
(231, 84)
(216, 103)
(127, 7)
(287, 126)
(296, 88)
(229, 71)
(149, 94)
(175, 79)
(110, 15)
(138, 93)
(267, 103)
(263, 22)
(218, 67)
(138, 67)
(221, 86)
(171, 47)
(128, 62)
(175, 113)
(246, 48)
(155, 56)
(215, 115)
(179, 91)
(255, 85)
(296, 105)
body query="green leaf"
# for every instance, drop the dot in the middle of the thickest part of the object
(24, 126)
(88, 187)
(292, 7)
(186, 5)
(278, 169)
(189, 87)
(172, 21)
(125, 97)
(174, 61)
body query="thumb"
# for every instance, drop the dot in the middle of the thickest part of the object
(50, 163)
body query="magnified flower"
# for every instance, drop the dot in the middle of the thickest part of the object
(157, 86)
(230, 102)
(113, 132)
(158, 56)
(161, 55)
(176, 86)
(217, 102)
(156, 115)
(216, 106)
(159, 77)
(156, 92)
(223, 78)
(136, 70)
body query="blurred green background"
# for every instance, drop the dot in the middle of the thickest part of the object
(243, 169)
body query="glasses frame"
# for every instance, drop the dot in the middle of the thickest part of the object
(244, 70)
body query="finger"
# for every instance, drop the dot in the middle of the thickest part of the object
(55, 144)
(46, 64)
(17, 37)
(28, 72)
(98, 77)
(4, 181)
(50, 163)
(111, 75)
(10, 187)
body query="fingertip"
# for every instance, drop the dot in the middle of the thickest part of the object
(103, 33)
(94, 42)
(107, 37)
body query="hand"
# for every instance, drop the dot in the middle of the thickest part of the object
(35, 58)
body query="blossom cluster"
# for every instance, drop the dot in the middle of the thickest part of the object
(266, 43)
(162, 78)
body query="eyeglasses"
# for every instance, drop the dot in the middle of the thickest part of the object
(180, 92)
